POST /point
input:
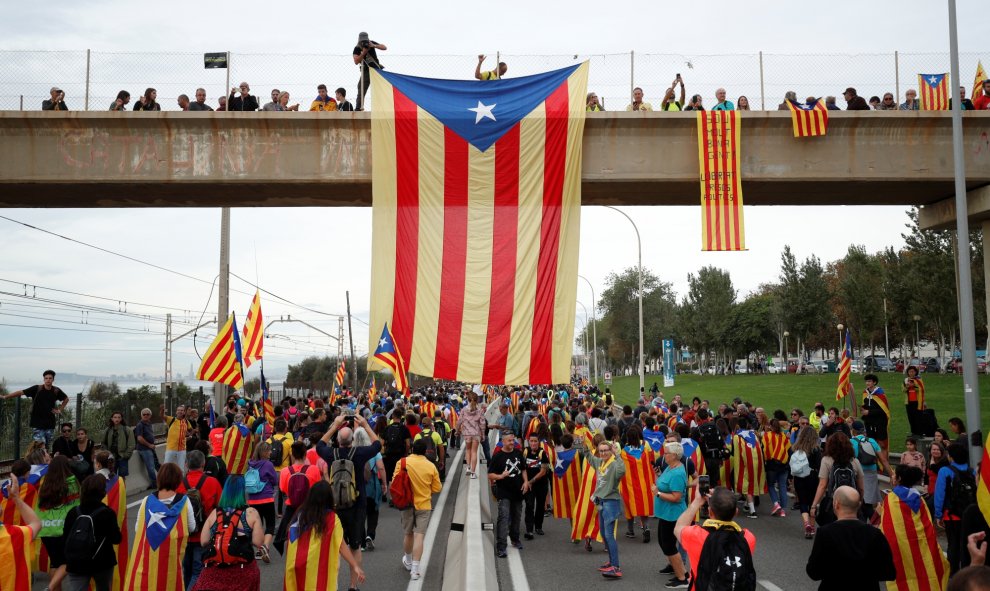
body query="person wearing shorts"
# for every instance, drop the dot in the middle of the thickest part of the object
(425, 479)
(48, 403)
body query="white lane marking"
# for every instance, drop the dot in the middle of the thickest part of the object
(769, 586)
(516, 571)
(453, 471)
(474, 546)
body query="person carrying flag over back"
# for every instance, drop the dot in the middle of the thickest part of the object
(876, 413)
(314, 544)
(907, 524)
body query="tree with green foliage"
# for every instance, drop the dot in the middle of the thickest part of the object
(706, 313)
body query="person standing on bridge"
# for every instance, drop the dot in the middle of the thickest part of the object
(44, 410)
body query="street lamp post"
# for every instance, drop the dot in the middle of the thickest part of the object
(594, 326)
(842, 344)
(585, 331)
(639, 247)
(786, 367)
(916, 335)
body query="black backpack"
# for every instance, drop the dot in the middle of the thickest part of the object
(712, 444)
(865, 452)
(842, 475)
(196, 499)
(395, 441)
(725, 563)
(431, 446)
(962, 491)
(80, 543)
(278, 451)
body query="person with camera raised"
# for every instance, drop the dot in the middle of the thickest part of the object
(366, 56)
(352, 518)
(57, 102)
(733, 547)
(496, 74)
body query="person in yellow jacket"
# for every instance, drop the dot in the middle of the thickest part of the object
(323, 101)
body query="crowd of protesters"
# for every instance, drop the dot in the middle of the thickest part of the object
(309, 482)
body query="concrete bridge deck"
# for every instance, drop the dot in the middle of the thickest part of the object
(104, 159)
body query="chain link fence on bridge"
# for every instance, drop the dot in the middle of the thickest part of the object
(92, 79)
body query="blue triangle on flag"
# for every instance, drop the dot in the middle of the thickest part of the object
(933, 80)
(479, 111)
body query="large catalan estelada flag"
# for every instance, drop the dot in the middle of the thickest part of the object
(223, 361)
(312, 560)
(845, 368)
(387, 353)
(15, 542)
(476, 220)
(934, 89)
(566, 483)
(254, 332)
(981, 75)
(116, 499)
(910, 531)
(722, 225)
(155, 561)
(636, 484)
(809, 120)
(236, 449)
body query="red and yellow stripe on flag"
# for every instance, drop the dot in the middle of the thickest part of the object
(312, 561)
(15, 552)
(636, 484)
(428, 408)
(532, 428)
(809, 121)
(981, 75)
(452, 419)
(585, 521)
(116, 499)
(514, 402)
(221, 362)
(845, 369)
(9, 514)
(476, 221)
(254, 332)
(565, 489)
(776, 446)
(341, 374)
(934, 92)
(920, 563)
(721, 181)
(748, 475)
(983, 482)
(236, 450)
(150, 569)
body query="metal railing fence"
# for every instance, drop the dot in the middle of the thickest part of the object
(91, 79)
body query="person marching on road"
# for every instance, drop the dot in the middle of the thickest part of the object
(507, 472)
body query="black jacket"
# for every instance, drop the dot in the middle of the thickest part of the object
(850, 556)
(237, 103)
(105, 530)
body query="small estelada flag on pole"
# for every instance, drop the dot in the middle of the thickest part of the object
(845, 366)
(254, 332)
(721, 182)
(934, 90)
(809, 120)
(223, 360)
(981, 75)
(341, 375)
(387, 353)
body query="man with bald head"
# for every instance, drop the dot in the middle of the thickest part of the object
(849, 554)
(353, 519)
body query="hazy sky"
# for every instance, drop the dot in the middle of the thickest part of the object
(312, 256)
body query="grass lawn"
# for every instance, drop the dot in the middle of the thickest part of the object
(943, 393)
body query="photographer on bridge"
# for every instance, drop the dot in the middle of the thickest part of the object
(366, 56)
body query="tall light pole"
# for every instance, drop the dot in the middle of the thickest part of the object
(594, 326)
(967, 324)
(786, 368)
(585, 331)
(842, 344)
(917, 336)
(639, 249)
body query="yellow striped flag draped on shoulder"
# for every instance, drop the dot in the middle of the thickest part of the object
(116, 499)
(809, 120)
(223, 361)
(722, 226)
(254, 332)
(476, 204)
(155, 562)
(311, 560)
(907, 524)
(585, 521)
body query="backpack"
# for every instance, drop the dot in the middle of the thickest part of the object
(196, 498)
(231, 546)
(725, 563)
(712, 444)
(252, 482)
(297, 486)
(80, 543)
(800, 466)
(865, 452)
(962, 491)
(395, 441)
(431, 446)
(278, 451)
(343, 484)
(442, 429)
(401, 489)
(216, 468)
(842, 475)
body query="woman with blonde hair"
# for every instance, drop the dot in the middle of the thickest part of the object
(471, 425)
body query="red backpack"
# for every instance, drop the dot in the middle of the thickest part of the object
(401, 488)
(231, 543)
(297, 486)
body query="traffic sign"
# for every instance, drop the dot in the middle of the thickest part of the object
(608, 378)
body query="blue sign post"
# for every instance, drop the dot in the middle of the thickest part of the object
(668, 363)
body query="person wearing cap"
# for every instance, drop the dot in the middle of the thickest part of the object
(366, 56)
(854, 102)
(323, 101)
(910, 101)
(982, 102)
(871, 466)
(56, 103)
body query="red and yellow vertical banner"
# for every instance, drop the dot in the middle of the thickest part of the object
(721, 183)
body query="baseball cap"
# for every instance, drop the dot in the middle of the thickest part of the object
(858, 426)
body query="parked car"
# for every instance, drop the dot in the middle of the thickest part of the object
(877, 363)
(740, 366)
(956, 365)
(773, 368)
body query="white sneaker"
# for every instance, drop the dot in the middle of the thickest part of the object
(414, 575)
(407, 564)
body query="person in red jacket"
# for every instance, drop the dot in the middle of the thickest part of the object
(209, 493)
(982, 102)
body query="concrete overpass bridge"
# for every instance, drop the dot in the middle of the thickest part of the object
(175, 159)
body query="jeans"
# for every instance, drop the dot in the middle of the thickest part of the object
(148, 456)
(44, 435)
(192, 563)
(536, 502)
(176, 457)
(123, 469)
(777, 483)
(103, 580)
(364, 83)
(509, 516)
(486, 449)
(608, 513)
(371, 515)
